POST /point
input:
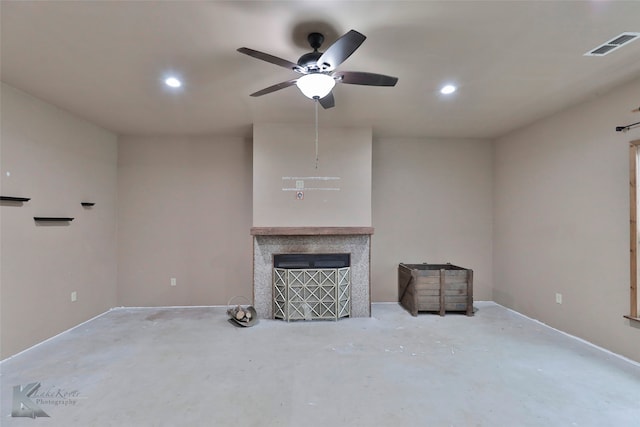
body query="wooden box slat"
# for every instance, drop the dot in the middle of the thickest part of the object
(448, 307)
(436, 292)
(453, 299)
(435, 287)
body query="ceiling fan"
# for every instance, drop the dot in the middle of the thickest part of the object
(318, 68)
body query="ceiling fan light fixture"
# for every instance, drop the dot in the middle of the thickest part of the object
(317, 69)
(315, 85)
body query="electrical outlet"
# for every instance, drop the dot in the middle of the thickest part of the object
(558, 298)
(174, 282)
(74, 296)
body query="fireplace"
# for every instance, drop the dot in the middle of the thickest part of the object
(311, 286)
(308, 261)
(272, 242)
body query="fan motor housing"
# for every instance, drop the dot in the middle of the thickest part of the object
(309, 60)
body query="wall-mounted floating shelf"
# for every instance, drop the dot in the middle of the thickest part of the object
(52, 218)
(87, 204)
(14, 199)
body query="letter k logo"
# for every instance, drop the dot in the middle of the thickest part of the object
(23, 406)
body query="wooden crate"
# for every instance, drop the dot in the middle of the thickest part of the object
(435, 287)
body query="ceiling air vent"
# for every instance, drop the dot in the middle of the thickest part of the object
(613, 44)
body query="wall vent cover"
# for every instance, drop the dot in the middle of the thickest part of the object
(613, 44)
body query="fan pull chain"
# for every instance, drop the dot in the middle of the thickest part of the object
(316, 99)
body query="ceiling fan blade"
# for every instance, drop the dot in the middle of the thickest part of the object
(328, 101)
(270, 58)
(340, 50)
(275, 87)
(367, 79)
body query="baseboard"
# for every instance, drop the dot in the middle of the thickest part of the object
(633, 362)
(55, 336)
(626, 359)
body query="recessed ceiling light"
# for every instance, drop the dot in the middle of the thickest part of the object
(172, 82)
(446, 90)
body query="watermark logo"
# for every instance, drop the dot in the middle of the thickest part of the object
(28, 399)
(23, 406)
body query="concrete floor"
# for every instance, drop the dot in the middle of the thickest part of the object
(190, 367)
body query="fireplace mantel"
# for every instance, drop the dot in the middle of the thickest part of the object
(311, 231)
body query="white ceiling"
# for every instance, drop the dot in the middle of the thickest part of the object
(514, 62)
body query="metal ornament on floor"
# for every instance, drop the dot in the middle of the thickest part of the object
(241, 314)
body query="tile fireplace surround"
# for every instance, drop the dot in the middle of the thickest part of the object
(268, 241)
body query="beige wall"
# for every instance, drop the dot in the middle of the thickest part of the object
(184, 211)
(551, 199)
(288, 150)
(58, 161)
(432, 202)
(562, 220)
